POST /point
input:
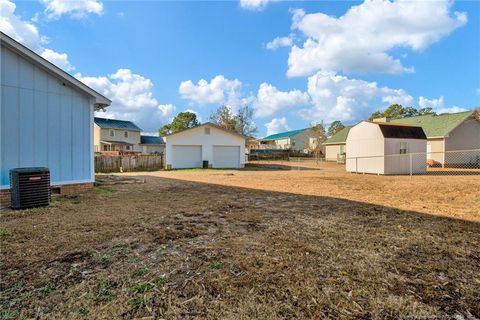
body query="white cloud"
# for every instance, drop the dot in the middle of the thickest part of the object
(277, 125)
(58, 59)
(450, 110)
(27, 34)
(438, 105)
(279, 42)
(75, 8)
(132, 99)
(254, 4)
(219, 90)
(270, 100)
(336, 97)
(431, 103)
(361, 39)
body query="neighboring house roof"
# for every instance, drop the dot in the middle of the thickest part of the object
(283, 135)
(100, 100)
(116, 124)
(212, 125)
(340, 137)
(402, 131)
(154, 140)
(436, 125)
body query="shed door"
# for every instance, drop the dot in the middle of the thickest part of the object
(226, 157)
(187, 156)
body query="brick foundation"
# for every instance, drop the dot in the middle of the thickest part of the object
(73, 189)
(67, 190)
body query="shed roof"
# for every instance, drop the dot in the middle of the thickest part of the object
(283, 135)
(436, 125)
(116, 124)
(100, 101)
(154, 140)
(340, 137)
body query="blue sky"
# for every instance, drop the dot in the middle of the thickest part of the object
(332, 60)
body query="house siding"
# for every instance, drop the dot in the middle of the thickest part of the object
(133, 137)
(43, 123)
(464, 137)
(331, 151)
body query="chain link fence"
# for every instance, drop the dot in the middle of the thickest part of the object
(463, 162)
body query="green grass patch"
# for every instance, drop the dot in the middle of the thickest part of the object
(143, 287)
(161, 279)
(4, 232)
(105, 290)
(216, 265)
(141, 272)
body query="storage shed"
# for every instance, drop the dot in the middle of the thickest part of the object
(46, 118)
(208, 142)
(386, 148)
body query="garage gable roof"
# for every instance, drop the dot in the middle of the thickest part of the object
(211, 125)
(26, 53)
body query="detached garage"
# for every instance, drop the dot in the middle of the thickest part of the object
(205, 145)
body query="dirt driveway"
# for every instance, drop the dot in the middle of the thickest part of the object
(255, 243)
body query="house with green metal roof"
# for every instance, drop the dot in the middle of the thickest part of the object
(116, 136)
(447, 134)
(296, 140)
(335, 145)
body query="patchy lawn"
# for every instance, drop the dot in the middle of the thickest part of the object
(254, 243)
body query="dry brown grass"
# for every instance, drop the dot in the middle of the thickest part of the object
(248, 244)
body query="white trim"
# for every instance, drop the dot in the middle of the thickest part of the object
(100, 100)
(92, 142)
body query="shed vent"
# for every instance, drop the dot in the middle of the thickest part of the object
(30, 187)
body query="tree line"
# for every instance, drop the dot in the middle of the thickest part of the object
(242, 122)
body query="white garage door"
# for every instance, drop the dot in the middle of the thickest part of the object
(187, 156)
(226, 157)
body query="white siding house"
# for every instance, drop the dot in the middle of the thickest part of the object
(385, 148)
(46, 117)
(208, 142)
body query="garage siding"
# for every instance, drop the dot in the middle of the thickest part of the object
(209, 140)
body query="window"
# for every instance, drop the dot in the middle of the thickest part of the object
(112, 133)
(207, 130)
(293, 142)
(125, 134)
(342, 149)
(128, 147)
(403, 147)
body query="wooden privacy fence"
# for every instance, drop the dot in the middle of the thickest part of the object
(105, 164)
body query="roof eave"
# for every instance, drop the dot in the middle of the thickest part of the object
(100, 100)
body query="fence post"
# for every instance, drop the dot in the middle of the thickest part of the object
(356, 164)
(411, 165)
